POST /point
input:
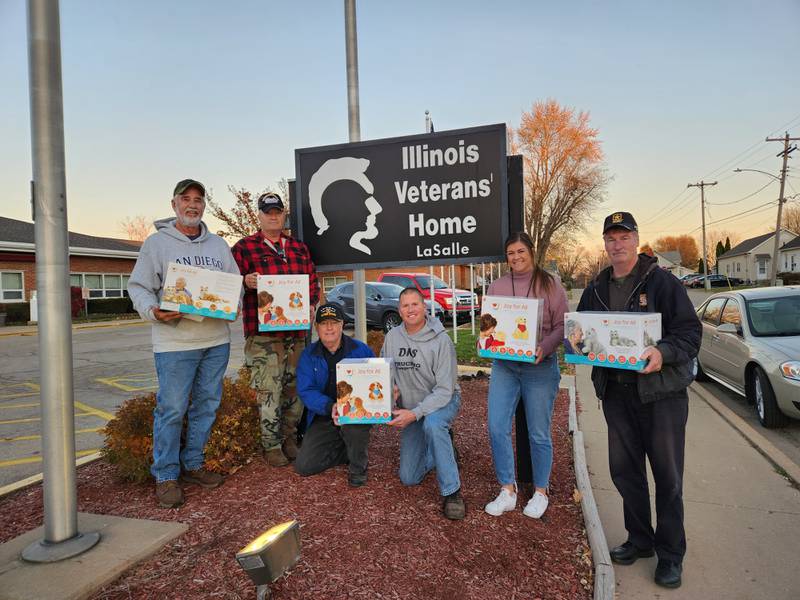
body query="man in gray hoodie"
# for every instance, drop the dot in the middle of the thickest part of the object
(191, 356)
(428, 399)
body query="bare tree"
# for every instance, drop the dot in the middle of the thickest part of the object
(791, 218)
(564, 175)
(568, 256)
(241, 219)
(136, 228)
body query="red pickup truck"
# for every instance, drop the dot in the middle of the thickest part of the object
(442, 294)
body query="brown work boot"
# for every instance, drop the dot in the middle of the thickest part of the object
(290, 447)
(454, 507)
(202, 477)
(169, 494)
(276, 458)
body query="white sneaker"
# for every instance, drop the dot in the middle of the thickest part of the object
(536, 506)
(504, 502)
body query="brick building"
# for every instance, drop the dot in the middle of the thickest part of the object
(101, 264)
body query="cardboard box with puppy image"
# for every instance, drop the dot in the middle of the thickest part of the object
(199, 293)
(283, 302)
(364, 390)
(509, 328)
(610, 339)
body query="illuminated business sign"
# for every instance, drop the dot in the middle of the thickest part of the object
(421, 199)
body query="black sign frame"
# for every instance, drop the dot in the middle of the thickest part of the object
(299, 201)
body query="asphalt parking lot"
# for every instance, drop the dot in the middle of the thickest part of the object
(111, 364)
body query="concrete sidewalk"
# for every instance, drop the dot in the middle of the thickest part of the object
(742, 517)
(9, 330)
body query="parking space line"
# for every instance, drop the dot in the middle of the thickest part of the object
(32, 390)
(34, 459)
(28, 405)
(106, 416)
(23, 438)
(132, 382)
(32, 419)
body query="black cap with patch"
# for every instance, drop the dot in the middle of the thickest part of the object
(185, 184)
(269, 201)
(329, 311)
(622, 220)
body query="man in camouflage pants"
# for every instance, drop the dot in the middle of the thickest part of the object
(273, 366)
(273, 356)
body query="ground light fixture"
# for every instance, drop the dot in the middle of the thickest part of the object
(270, 555)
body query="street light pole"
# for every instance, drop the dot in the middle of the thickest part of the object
(61, 537)
(354, 121)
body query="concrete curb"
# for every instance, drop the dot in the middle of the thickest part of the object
(604, 579)
(34, 479)
(771, 452)
(34, 329)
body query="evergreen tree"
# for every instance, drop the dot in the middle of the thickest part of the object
(701, 268)
(727, 243)
(720, 250)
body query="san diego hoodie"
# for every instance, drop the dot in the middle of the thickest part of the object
(146, 284)
(425, 366)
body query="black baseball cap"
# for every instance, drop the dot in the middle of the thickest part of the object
(329, 311)
(185, 184)
(621, 220)
(269, 201)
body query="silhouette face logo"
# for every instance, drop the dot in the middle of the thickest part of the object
(347, 168)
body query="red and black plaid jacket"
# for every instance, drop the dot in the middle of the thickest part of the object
(254, 255)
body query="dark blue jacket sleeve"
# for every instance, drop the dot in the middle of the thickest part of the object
(680, 325)
(309, 389)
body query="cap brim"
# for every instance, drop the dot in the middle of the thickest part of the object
(620, 226)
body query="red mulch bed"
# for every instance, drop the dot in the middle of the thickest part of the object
(380, 541)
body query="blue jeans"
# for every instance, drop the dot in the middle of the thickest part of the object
(181, 373)
(538, 385)
(426, 444)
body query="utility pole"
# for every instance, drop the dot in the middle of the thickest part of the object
(354, 121)
(781, 200)
(702, 186)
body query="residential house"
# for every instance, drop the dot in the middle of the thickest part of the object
(101, 264)
(751, 260)
(790, 256)
(670, 260)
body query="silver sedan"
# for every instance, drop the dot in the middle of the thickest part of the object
(751, 344)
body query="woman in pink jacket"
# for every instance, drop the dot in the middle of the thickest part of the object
(536, 383)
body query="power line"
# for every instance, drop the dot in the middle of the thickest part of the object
(734, 217)
(739, 156)
(745, 197)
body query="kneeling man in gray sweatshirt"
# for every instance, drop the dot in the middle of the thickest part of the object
(428, 399)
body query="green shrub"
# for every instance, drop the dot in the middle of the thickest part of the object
(234, 439)
(790, 278)
(16, 312)
(110, 306)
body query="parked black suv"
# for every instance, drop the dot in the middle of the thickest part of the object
(382, 303)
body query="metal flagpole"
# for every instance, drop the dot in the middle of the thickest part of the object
(433, 307)
(61, 537)
(354, 120)
(454, 302)
(472, 296)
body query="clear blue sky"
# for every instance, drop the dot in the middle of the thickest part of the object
(224, 92)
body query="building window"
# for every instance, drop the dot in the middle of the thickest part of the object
(794, 264)
(328, 283)
(727, 269)
(762, 266)
(11, 286)
(101, 285)
(738, 267)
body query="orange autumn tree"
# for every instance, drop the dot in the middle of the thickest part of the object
(563, 171)
(684, 244)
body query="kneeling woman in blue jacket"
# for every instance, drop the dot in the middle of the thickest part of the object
(326, 443)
